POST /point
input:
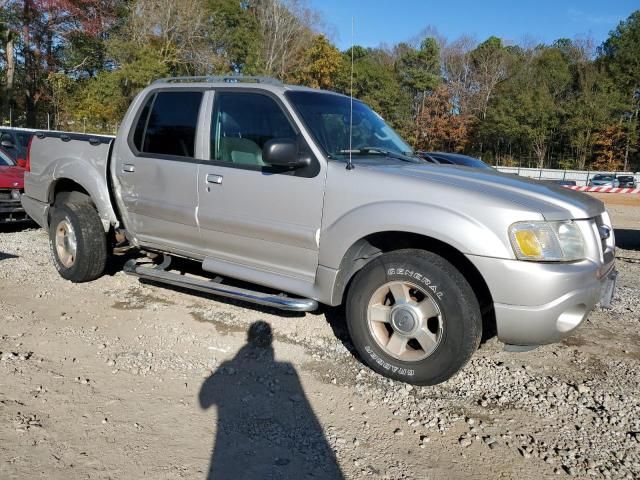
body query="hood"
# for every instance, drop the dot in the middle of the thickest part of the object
(552, 201)
(12, 177)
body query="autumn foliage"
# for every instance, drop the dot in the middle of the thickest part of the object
(610, 148)
(440, 127)
(74, 64)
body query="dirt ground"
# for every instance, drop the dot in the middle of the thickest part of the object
(118, 379)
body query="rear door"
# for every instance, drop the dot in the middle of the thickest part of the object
(157, 173)
(251, 214)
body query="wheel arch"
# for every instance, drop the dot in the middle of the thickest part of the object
(75, 190)
(369, 247)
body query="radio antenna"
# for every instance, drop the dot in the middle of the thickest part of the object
(350, 161)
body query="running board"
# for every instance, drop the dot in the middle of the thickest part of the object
(214, 287)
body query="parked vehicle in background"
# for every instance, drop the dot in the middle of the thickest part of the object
(311, 194)
(626, 181)
(453, 159)
(562, 183)
(604, 180)
(11, 187)
(15, 141)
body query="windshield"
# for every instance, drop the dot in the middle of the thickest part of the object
(608, 178)
(327, 117)
(5, 160)
(625, 179)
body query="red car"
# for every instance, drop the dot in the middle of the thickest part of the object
(11, 187)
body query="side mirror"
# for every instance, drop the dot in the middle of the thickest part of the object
(7, 144)
(22, 162)
(283, 152)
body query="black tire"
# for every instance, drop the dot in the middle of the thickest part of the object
(448, 289)
(91, 250)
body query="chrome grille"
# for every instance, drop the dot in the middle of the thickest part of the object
(602, 228)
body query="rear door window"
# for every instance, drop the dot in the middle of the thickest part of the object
(168, 124)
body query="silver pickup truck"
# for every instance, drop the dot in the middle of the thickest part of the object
(312, 198)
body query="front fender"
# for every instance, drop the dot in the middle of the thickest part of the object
(460, 231)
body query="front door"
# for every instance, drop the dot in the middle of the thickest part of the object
(158, 174)
(252, 216)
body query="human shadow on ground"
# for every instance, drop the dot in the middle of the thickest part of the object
(266, 427)
(5, 256)
(627, 238)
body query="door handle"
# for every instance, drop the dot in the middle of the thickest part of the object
(128, 168)
(213, 178)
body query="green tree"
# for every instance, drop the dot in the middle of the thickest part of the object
(621, 55)
(101, 102)
(321, 65)
(489, 62)
(529, 105)
(593, 102)
(234, 31)
(418, 71)
(375, 83)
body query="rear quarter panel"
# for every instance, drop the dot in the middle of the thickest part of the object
(53, 160)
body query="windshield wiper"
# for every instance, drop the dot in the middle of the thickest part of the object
(381, 151)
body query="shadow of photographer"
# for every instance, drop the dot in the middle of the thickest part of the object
(266, 427)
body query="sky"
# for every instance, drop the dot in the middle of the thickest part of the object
(542, 21)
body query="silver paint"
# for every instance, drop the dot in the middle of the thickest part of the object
(292, 233)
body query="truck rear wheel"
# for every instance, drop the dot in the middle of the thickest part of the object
(413, 317)
(77, 241)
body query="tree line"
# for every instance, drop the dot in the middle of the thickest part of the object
(77, 64)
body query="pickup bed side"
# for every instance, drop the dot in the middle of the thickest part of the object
(68, 162)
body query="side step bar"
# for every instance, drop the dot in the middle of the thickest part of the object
(215, 287)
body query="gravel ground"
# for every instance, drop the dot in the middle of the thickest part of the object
(121, 379)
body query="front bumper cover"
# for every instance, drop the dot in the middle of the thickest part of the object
(540, 303)
(11, 211)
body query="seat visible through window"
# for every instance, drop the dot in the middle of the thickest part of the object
(242, 124)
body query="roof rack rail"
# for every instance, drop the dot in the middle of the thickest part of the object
(221, 79)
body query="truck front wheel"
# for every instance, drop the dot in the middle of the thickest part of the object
(77, 241)
(413, 317)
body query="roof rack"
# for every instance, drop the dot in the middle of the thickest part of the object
(221, 79)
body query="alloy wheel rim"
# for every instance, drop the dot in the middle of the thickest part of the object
(66, 244)
(405, 321)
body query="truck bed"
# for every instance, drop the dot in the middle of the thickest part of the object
(75, 157)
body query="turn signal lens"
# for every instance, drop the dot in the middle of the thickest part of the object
(528, 243)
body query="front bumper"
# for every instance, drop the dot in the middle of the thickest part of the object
(11, 211)
(539, 303)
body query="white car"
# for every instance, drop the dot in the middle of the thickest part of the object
(604, 180)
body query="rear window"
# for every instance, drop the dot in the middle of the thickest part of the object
(5, 160)
(626, 179)
(23, 139)
(167, 124)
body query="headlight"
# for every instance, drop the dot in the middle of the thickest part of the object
(15, 194)
(547, 241)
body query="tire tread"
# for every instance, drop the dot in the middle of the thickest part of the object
(91, 255)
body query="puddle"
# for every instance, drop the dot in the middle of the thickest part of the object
(221, 320)
(138, 300)
(574, 341)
